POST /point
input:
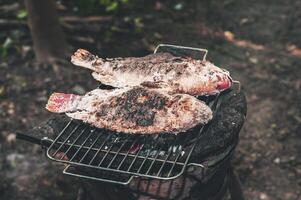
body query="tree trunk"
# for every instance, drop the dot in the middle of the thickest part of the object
(48, 38)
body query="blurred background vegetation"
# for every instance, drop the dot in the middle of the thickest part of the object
(99, 19)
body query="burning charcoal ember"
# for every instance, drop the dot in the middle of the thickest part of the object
(61, 156)
(135, 148)
(133, 110)
(192, 186)
(157, 188)
(160, 70)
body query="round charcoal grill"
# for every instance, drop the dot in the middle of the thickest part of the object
(201, 154)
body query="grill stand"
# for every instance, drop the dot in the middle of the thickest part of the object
(234, 185)
(229, 188)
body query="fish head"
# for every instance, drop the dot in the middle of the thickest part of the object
(219, 79)
(224, 81)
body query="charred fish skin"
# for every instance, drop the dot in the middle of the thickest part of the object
(135, 110)
(178, 74)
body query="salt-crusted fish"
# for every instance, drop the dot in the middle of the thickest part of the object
(160, 70)
(133, 110)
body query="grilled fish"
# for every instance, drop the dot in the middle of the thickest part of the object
(133, 110)
(160, 70)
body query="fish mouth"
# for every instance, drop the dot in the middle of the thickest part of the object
(224, 82)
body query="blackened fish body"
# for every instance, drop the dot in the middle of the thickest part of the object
(134, 110)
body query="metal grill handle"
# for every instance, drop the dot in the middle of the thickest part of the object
(205, 51)
(76, 174)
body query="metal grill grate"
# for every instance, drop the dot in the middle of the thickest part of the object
(164, 156)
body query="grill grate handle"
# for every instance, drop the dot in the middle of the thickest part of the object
(77, 173)
(44, 142)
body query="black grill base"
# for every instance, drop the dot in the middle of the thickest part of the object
(224, 185)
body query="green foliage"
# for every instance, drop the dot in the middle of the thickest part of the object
(21, 14)
(138, 24)
(5, 46)
(112, 5)
(11, 43)
(93, 6)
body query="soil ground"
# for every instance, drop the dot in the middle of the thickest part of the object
(259, 42)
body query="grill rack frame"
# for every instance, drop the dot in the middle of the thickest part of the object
(147, 158)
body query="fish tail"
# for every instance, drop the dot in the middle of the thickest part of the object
(60, 102)
(84, 58)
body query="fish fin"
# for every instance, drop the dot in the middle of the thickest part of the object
(60, 102)
(156, 84)
(84, 58)
(105, 79)
(97, 76)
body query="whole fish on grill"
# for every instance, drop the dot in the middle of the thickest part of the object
(133, 110)
(160, 70)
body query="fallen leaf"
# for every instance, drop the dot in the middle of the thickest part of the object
(11, 138)
(229, 35)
